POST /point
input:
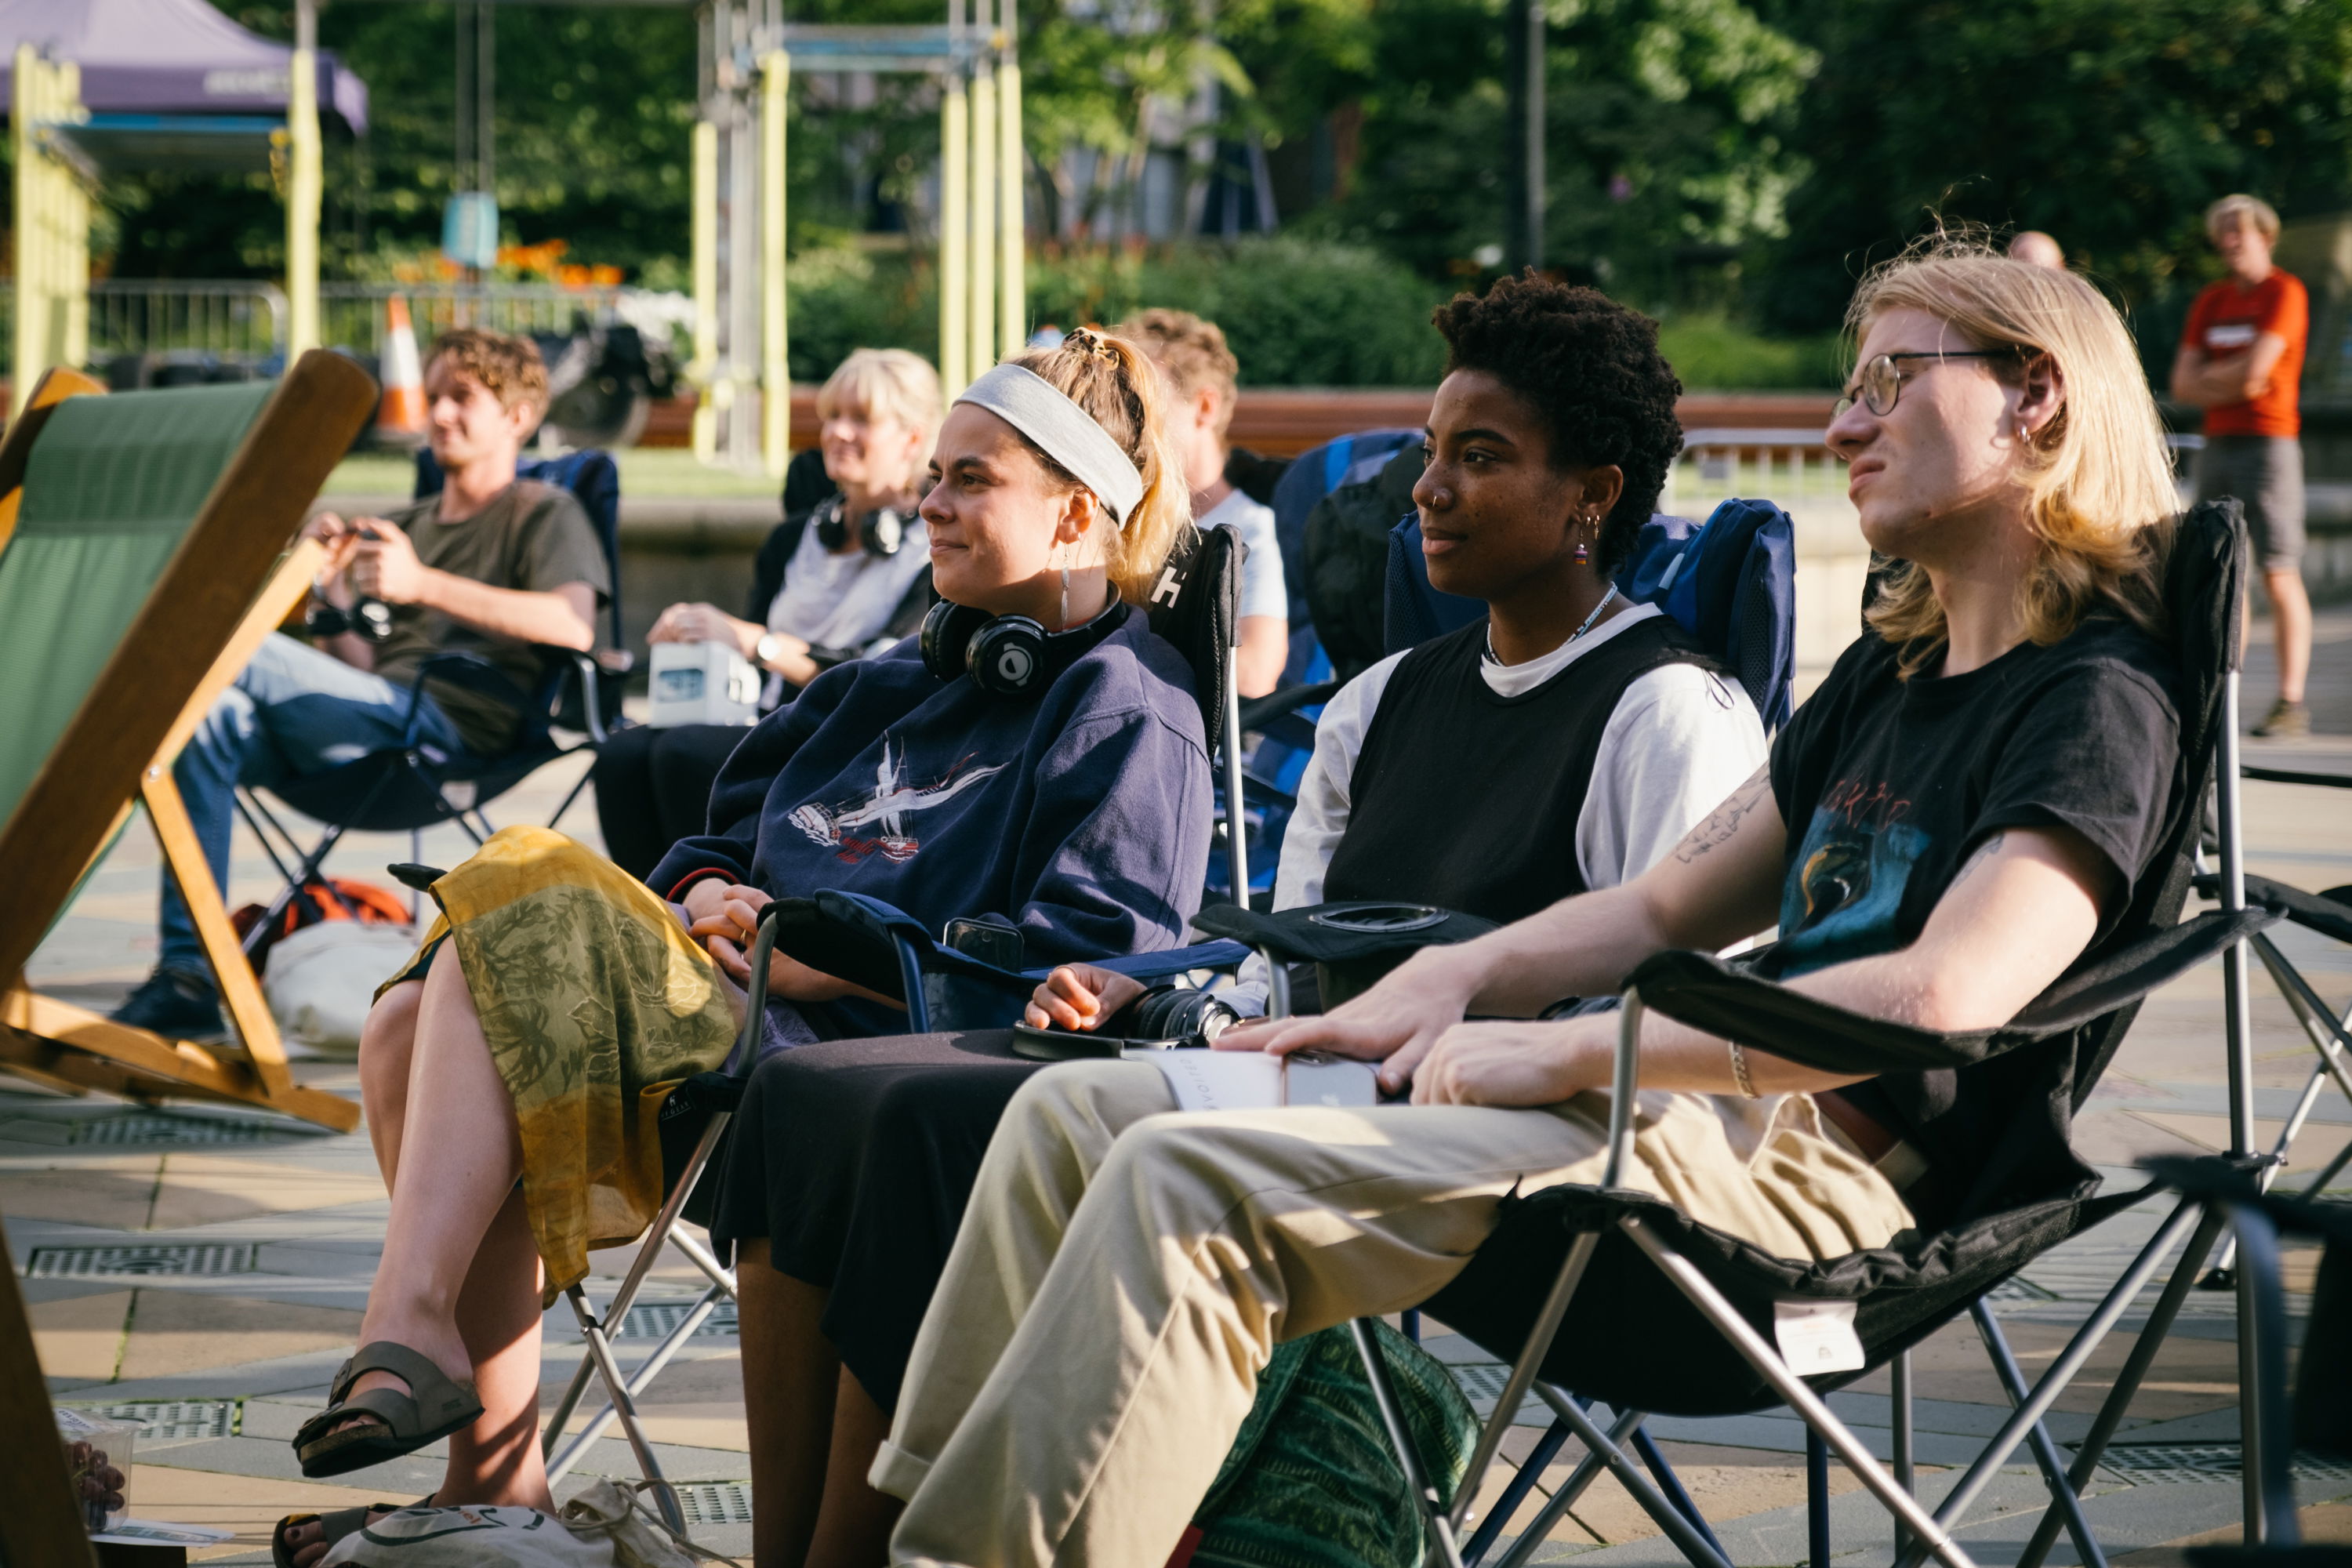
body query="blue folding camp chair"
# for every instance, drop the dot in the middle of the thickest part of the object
(417, 784)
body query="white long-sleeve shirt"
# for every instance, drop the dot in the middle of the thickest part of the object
(1680, 740)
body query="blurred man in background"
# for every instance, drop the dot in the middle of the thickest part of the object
(2036, 249)
(2240, 361)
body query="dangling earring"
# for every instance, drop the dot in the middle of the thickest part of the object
(1065, 599)
(1582, 554)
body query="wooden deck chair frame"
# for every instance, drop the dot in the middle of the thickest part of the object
(229, 583)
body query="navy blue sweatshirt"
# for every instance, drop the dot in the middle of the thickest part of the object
(1083, 815)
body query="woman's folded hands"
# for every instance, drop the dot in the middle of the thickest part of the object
(726, 918)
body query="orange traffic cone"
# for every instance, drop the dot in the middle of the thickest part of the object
(401, 416)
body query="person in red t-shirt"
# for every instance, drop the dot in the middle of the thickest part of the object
(2240, 361)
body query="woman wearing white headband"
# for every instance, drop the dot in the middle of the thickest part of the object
(1036, 755)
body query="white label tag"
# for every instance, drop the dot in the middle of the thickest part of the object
(1816, 1337)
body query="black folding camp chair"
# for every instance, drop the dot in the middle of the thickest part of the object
(2330, 914)
(1572, 1277)
(1195, 606)
(417, 784)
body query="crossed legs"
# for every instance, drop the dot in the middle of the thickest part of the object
(459, 1282)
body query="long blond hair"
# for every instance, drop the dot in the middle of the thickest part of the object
(1112, 380)
(2100, 491)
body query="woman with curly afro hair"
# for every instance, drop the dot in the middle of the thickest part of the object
(1593, 729)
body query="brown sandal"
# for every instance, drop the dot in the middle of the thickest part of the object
(397, 1423)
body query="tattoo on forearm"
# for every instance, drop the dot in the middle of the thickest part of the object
(1724, 821)
(1983, 852)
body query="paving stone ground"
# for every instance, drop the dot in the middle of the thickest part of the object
(228, 1363)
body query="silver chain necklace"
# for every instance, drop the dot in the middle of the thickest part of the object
(1605, 601)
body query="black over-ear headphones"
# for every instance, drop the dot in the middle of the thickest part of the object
(881, 531)
(1006, 656)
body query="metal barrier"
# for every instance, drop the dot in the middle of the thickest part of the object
(235, 320)
(1782, 463)
(352, 314)
(1787, 465)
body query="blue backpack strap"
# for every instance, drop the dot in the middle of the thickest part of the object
(1744, 594)
(1658, 560)
(1335, 462)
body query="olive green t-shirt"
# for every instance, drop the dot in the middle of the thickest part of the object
(533, 537)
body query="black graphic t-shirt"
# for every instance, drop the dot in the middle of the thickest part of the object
(1889, 785)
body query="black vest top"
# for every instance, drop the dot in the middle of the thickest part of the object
(1467, 799)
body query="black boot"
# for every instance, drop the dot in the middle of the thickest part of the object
(177, 1002)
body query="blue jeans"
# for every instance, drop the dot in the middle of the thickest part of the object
(293, 710)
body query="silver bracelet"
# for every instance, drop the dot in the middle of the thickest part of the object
(1739, 1072)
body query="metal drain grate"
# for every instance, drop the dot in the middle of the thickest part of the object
(716, 1502)
(156, 1130)
(2174, 1463)
(176, 1419)
(1481, 1380)
(656, 1319)
(151, 1259)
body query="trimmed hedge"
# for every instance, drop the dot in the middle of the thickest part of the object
(1297, 313)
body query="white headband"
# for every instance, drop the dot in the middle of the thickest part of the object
(1064, 432)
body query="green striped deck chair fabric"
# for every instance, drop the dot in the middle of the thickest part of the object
(110, 488)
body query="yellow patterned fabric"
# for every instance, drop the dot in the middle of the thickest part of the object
(595, 1003)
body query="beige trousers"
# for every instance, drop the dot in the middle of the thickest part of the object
(1124, 1272)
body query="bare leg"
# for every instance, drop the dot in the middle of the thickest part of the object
(2291, 623)
(853, 1528)
(387, 1049)
(789, 1373)
(387, 1042)
(443, 1207)
(496, 1459)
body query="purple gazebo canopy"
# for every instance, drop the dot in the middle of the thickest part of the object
(168, 56)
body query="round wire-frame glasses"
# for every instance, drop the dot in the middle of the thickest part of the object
(1879, 383)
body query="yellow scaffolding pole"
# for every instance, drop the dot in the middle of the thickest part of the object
(52, 222)
(981, 323)
(1011, 230)
(775, 366)
(955, 231)
(305, 185)
(704, 370)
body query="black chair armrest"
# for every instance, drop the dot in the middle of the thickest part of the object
(1727, 999)
(580, 689)
(2286, 775)
(470, 670)
(1336, 932)
(2327, 912)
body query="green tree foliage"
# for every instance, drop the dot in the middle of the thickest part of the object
(1665, 132)
(593, 106)
(1091, 74)
(2111, 123)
